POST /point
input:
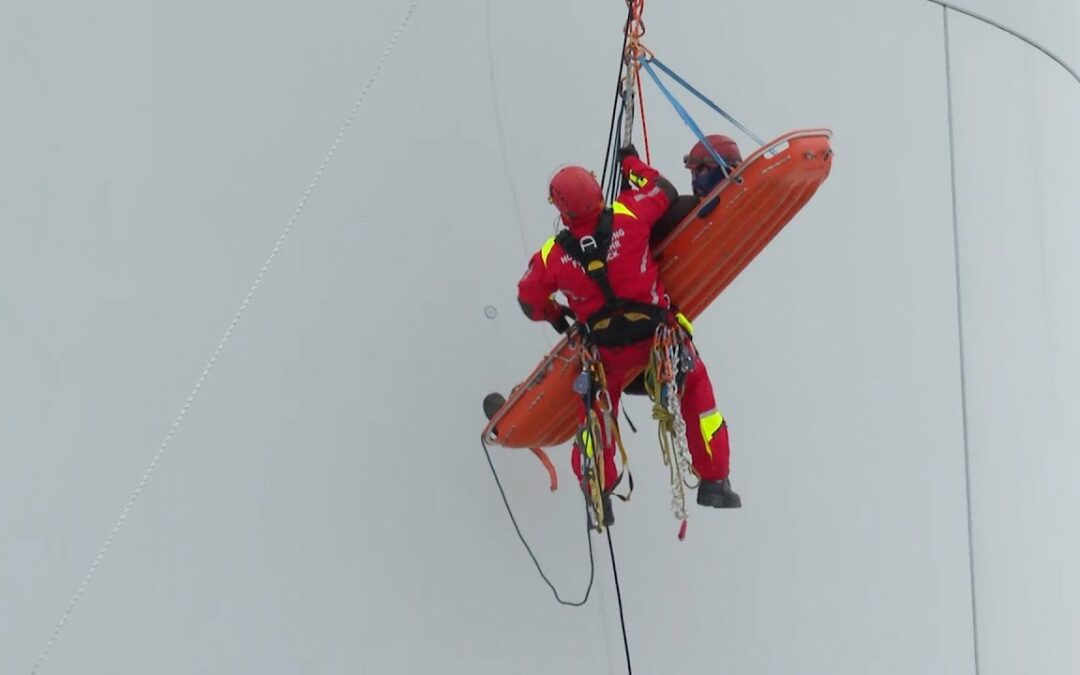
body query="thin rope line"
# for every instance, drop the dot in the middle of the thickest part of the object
(960, 339)
(1010, 31)
(501, 132)
(609, 151)
(618, 593)
(221, 345)
(528, 549)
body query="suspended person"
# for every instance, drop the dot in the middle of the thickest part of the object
(705, 174)
(620, 237)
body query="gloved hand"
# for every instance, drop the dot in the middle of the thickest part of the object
(561, 324)
(620, 155)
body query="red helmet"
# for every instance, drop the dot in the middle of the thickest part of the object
(699, 156)
(577, 195)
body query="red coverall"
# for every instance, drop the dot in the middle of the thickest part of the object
(633, 275)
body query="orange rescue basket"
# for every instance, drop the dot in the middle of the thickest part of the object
(697, 261)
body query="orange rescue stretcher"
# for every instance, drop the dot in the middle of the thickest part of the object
(698, 260)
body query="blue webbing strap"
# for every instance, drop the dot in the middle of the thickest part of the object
(684, 115)
(695, 92)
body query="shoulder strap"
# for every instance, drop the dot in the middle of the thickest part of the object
(591, 252)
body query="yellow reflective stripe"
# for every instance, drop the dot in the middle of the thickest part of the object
(546, 249)
(585, 439)
(620, 209)
(710, 424)
(637, 180)
(684, 322)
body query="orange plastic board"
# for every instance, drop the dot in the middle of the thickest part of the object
(698, 260)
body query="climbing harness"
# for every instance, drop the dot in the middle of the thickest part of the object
(619, 321)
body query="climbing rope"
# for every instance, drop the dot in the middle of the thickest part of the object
(635, 28)
(592, 385)
(641, 106)
(528, 549)
(600, 430)
(615, 106)
(630, 83)
(668, 359)
(618, 594)
(221, 345)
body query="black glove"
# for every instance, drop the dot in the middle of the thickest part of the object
(620, 155)
(561, 325)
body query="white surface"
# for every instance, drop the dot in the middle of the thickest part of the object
(1016, 183)
(326, 507)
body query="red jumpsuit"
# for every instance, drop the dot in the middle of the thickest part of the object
(634, 275)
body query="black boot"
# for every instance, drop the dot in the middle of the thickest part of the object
(718, 494)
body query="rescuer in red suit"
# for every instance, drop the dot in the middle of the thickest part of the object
(634, 278)
(705, 174)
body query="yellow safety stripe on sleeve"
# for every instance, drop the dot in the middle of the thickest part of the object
(710, 424)
(684, 322)
(637, 180)
(621, 209)
(545, 250)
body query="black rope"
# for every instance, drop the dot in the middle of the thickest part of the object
(588, 536)
(615, 115)
(618, 110)
(616, 173)
(614, 135)
(618, 593)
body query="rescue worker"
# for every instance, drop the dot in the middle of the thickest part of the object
(705, 174)
(621, 303)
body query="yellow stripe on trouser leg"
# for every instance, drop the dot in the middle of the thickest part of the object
(710, 424)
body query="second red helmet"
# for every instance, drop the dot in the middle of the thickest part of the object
(700, 156)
